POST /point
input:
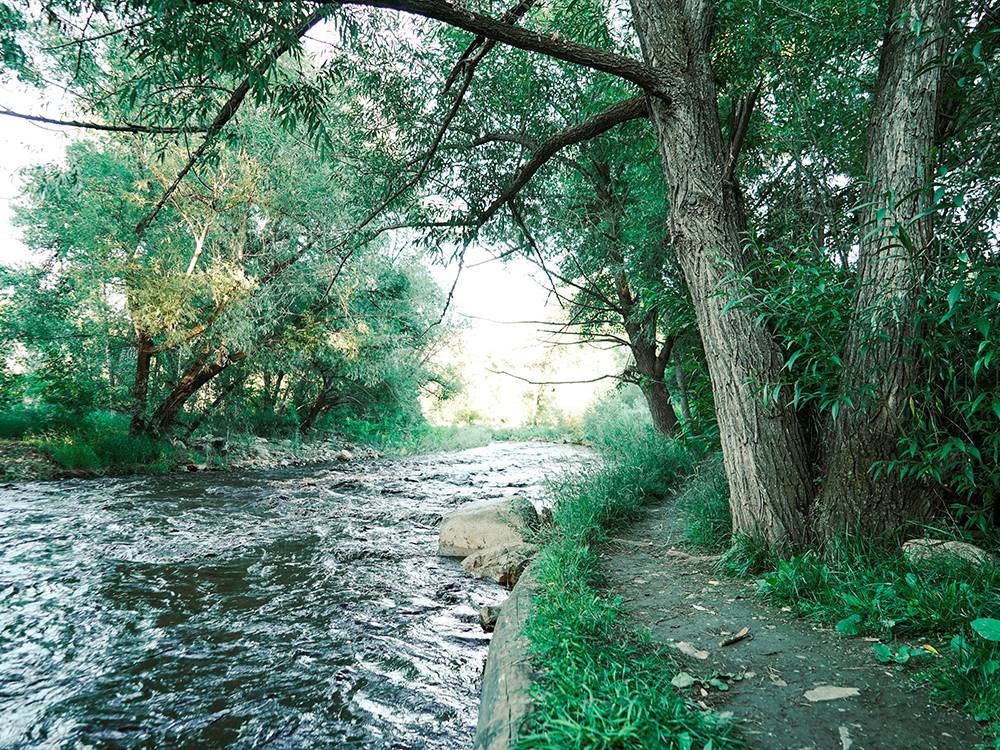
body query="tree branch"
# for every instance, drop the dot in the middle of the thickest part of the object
(532, 41)
(127, 128)
(229, 109)
(616, 114)
(553, 382)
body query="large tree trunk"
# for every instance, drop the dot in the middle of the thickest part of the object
(140, 385)
(764, 447)
(660, 406)
(880, 361)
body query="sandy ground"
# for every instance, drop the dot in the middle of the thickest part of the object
(772, 673)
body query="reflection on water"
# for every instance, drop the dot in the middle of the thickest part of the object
(287, 609)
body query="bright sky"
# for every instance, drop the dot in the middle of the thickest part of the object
(489, 296)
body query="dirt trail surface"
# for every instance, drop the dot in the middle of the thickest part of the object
(789, 668)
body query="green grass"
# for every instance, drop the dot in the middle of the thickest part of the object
(704, 504)
(872, 590)
(601, 683)
(101, 443)
(418, 437)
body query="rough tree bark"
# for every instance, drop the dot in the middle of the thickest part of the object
(880, 362)
(764, 448)
(140, 385)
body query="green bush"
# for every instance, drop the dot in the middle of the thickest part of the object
(73, 455)
(19, 421)
(101, 442)
(704, 504)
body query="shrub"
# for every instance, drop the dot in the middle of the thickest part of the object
(101, 442)
(73, 455)
(704, 505)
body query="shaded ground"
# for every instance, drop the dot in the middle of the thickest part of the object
(681, 600)
(20, 461)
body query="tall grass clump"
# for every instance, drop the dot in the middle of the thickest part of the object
(704, 505)
(601, 682)
(101, 442)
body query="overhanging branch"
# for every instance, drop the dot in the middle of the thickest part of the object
(532, 41)
(616, 114)
(230, 108)
(126, 128)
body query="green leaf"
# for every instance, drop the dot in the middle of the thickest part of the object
(718, 684)
(954, 295)
(988, 628)
(850, 625)
(882, 652)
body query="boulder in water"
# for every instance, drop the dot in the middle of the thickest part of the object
(479, 526)
(488, 617)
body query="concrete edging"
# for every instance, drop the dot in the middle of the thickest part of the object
(504, 701)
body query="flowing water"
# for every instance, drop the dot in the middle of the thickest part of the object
(296, 608)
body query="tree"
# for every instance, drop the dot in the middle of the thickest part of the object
(785, 486)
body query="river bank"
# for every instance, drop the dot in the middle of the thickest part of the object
(25, 461)
(36, 460)
(638, 636)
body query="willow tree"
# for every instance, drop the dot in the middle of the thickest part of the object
(786, 486)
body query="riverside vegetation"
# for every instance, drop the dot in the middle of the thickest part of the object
(602, 683)
(783, 215)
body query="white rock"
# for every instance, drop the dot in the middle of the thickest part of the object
(830, 693)
(479, 526)
(693, 651)
(923, 551)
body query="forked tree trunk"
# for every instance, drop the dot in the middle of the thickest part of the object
(880, 361)
(652, 366)
(198, 373)
(763, 445)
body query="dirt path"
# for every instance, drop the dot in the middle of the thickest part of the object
(682, 600)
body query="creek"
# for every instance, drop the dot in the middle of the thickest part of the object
(291, 608)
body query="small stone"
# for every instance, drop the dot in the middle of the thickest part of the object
(688, 650)
(488, 617)
(830, 693)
